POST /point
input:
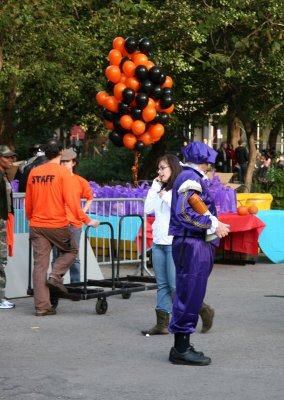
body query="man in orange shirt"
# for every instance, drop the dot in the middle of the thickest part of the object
(82, 190)
(49, 190)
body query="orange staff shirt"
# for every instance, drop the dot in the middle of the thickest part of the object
(49, 189)
(82, 190)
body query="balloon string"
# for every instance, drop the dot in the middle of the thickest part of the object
(135, 168)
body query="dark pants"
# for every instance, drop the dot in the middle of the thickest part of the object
(43, 239)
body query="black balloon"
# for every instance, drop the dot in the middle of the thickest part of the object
(136, 113)
(147, 86)
(167, 90)
(123, 61)
(130, 44)
(166, 101)
(108, 115)
(123, 108)
(116, 138)
(145, 45)
(157, 92)
(164, 118)
(141, 100)
(162, 78)
(128, 95)
(141, 73)
(139, 145)
(154, 74)
(110, 85)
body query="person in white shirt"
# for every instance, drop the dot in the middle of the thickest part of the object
(158, 202)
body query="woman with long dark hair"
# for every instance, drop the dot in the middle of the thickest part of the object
(158, 202)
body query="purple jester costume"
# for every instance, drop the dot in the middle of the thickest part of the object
(193, 256)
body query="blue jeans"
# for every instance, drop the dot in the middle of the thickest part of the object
(75, 267)
(165, 273)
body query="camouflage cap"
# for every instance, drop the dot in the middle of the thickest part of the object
(5, 151)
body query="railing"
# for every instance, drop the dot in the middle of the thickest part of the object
(108, 210)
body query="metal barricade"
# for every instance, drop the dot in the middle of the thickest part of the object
(112, 210)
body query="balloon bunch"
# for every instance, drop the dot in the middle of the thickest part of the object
(141, 95)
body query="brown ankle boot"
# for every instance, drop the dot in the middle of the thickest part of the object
(161, 327)
(207, 314)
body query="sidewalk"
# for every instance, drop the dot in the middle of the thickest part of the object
(79, 354)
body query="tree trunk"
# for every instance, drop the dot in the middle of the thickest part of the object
(251, 138)
(235, 132)
(273, 134)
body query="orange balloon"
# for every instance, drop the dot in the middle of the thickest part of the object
(168, 82)
(158, 106)
(118, 89)
(129, 141)
(151, 102)
(113, 73)
(129, 68)
(149, 113)
(146, 138)
(114, 57)
(126, 122)
(118, 44)
(123, 78)
(101, 96)
(109, 125)
(169, 110)
(156, 131)
(140, 59)
(133, 83)
(111, 104)
(149, 65)
(138, 127)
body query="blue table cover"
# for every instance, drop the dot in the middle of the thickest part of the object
(271, 240)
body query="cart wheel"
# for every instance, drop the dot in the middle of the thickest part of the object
(101, 306)
(54, 301)
(126, 296)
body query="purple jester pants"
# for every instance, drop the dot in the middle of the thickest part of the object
(194, 259)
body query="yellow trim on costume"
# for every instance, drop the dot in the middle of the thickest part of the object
(187, 217)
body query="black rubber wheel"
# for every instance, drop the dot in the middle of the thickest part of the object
(126, 296)
(54, 301)
(101, 306)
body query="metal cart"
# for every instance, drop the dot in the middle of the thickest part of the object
(102, 288)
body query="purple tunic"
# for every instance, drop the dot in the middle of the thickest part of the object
(193, 257)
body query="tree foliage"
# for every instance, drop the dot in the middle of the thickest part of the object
(226, 59)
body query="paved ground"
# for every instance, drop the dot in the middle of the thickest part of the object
(79, 354)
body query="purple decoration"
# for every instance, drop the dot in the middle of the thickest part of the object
(225, 197)
(15, 185)
(119, 191)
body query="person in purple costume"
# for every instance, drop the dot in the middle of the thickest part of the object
(193, 253)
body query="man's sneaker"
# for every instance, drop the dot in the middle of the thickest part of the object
(57, 286)
(190, 357)
(5, 304)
